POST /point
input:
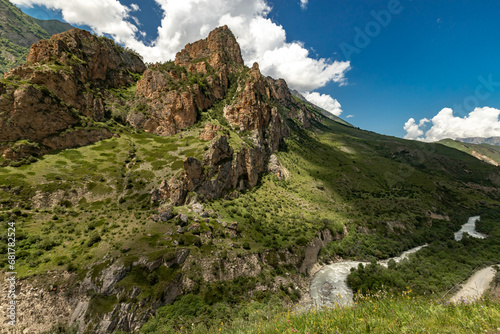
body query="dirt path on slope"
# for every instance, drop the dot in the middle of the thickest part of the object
(476, 285)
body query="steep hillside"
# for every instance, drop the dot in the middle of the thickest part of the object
(131, 186)
(53, 27)
(19, 31)
(485, 152)
(325, 113)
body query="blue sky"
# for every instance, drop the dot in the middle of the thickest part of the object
(430, 56)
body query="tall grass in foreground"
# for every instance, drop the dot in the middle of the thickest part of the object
(375, 314)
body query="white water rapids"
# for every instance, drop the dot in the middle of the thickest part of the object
(470, 228)
(329, 286)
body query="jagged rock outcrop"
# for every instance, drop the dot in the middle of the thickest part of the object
(220, 50)
(251, 108)
(175, 92)
(73, 63)
(61, 82)
(210, 131)
(311, 254)
(250, 112)
(225, 170)
(31, 113)
(275, 167)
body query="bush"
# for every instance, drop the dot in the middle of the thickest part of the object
(71, 267)
(94, 238)
(302, 241)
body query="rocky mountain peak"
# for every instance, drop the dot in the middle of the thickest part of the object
(62, 80)
(220, 49)
(97, 59)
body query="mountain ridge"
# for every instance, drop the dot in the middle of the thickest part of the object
(477, 148)
(481, 140)
(326, 113)
(53, 26)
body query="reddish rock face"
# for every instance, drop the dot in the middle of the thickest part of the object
(251, 112)
(195, 81)
(172, 108)
(210, 131)
(220, 50)
(92, 59)
(64, 77)
(31, 114)
(73, 63)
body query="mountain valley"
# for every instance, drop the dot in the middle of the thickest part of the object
(202, 184)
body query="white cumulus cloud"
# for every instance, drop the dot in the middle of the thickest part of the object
(303, 4)
(481, 122)
(103, 16)
(186, 21)
(324, 101)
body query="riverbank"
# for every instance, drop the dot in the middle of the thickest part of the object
(476, 285)
(329, 285)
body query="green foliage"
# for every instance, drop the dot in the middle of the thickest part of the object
(380, 313)
(485, 150)
(101, 304)
(94, 238)
(21, 30)
(11, 55)
(436, 268)
(53, 26)
(190, 314)
(170, 66)
(62, 328)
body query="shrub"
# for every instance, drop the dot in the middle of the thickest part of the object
(302, 241)
(94, 238)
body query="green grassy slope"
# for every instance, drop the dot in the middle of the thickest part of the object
(340, 176)
(19, 31)
(54, 26)
(485, 152)
(74, 207)
(344, 176)
(11, 55)
(381, 188)
(19, 28)
(404, 313)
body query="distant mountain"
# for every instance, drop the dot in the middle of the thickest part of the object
(478, 148)
(19, 31)
(323, 111)
(481, 140)
(54, 26)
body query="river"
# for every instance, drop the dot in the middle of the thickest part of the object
(329, 285)
(470, 228)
